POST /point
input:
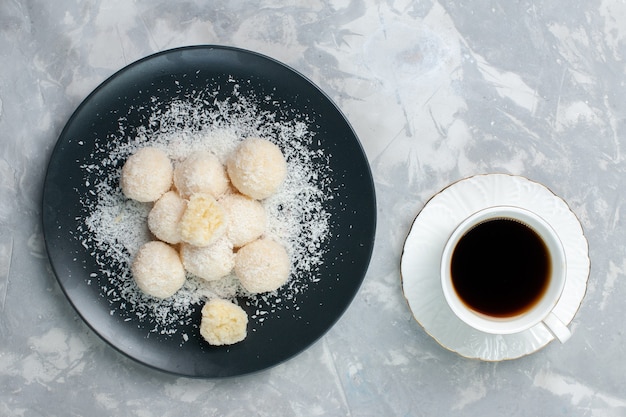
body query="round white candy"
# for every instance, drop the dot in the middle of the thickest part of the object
(203, 222)
(223, 323)
(146, 175)
(202, 172)
(262, 266)
(246, 218)
(157, 270)
(208, 262)
(257, 168)
(164, 218)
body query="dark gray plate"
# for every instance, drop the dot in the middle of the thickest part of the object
(172, 74)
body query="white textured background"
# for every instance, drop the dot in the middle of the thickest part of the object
(436, 91)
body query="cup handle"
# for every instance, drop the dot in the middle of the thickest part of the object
(557, 328)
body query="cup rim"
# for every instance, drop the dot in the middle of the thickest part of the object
(542, 309)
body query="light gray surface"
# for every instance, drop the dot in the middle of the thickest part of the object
(436, 91)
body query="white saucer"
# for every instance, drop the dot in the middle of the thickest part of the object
(424, 245)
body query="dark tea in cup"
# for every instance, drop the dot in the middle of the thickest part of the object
(501, 268)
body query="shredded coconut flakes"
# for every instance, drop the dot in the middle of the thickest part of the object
(114, 228)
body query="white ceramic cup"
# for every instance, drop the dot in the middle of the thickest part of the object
(542, 309)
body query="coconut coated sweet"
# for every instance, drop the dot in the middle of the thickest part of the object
(146, 175)
(202, 172)
(208, 262)
(164, 217)
(257, 168)
(223, 323)
(262, 266)
(246, 218)
(203, 222)
(157, 270)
